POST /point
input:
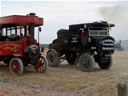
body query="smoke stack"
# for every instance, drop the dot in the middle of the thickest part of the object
(31, 14)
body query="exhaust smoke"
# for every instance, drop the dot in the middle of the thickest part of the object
(117, 14)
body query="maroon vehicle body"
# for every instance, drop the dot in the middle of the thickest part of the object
(18, 48)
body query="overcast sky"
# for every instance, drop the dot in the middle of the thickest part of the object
(60, 14)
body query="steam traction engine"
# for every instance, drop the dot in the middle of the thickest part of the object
(84, 44)
(18, 48)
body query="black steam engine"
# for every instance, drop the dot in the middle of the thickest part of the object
(84, 44)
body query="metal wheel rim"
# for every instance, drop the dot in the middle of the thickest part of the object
(85, 63)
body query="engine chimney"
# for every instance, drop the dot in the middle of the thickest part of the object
(32, 14)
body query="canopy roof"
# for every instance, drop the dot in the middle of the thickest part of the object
(14, 20)
(90, 25)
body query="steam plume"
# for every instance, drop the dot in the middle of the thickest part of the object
(118, 15)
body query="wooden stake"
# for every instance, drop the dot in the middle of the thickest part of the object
(122, 89)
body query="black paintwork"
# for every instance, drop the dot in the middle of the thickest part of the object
(72, 40)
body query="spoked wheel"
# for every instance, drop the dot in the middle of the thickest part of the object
(16, 66)
(72, 58)
(41, 65)
(53, 58)
(86, 62)
(105, 64)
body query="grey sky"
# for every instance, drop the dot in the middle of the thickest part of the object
(59, 15)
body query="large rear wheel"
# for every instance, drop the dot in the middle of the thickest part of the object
(86, 62)
(41, 65)
(53, 58)
(105, 64)
(72, 58)
(16, 66)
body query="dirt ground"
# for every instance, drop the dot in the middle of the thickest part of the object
(96, 83)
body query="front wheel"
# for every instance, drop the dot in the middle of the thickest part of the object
(105, 64)
(86, 62)
(53, 58)
(16, 66)
(41, 65)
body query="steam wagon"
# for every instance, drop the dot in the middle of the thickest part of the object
(18, 47)
(84, 44)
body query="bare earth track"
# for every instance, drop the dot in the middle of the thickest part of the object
(96, 83)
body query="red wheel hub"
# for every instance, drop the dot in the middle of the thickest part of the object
(40, 64)
(15, 66)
